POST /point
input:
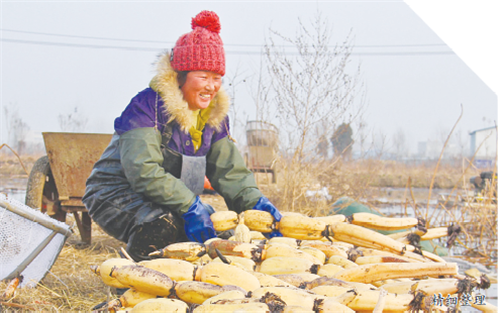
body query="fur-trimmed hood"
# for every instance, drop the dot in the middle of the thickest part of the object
(166, 85)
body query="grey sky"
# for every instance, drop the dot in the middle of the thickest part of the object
(413, 80)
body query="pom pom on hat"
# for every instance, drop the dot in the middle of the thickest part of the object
(202, 48)
(208, 20)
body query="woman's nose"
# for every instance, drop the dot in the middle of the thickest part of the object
(210, 85)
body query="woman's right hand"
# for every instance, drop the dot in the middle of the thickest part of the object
(198, 225)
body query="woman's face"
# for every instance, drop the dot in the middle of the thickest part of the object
(200, 88)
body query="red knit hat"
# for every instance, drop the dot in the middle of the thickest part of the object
(201, 49)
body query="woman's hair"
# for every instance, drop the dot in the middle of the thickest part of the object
(181, 78)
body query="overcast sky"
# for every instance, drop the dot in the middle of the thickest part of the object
(95, 56)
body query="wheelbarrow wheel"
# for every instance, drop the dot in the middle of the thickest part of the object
(41, 191)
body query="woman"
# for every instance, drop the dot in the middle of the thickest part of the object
(144, 189)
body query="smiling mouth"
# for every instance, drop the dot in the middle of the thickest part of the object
(205, 96)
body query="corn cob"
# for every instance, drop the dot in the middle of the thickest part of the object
(176, 269)
(129, 299)
(188, 251)
(381, 271)
(366, 300)
(105, 268)
(296, 309)
(234, 248)
(374, 221)
(272, 281)
(160, 305)
(10, 290)
(224, 220)
(224, 274)
(143, 279)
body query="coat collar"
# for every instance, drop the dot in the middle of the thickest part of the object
(165, 84)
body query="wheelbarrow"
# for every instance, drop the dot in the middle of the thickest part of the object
(56, 183)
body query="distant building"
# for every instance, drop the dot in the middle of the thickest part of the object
(483, 143)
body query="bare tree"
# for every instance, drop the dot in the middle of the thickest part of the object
(17, 129)
(73, 122)
(312, 86)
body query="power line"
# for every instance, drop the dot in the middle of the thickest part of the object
(414, 53)
(236, 45)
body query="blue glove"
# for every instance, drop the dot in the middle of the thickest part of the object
(198, 225)
(265, 205)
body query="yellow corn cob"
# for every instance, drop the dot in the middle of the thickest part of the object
(198, 292)
(302, 227)
(316, 253)
(223, 308)
(129, 298)
(283, 250)
(307, 277)
(224, 274)
(260, 221)
(188, 251)
(224, 220)
(329, 270)
(286, 265)
(328, 248)
(381, 271)
(242, 233)
(105, 268)
(341, 261)
(244, 263)
(161, 305)
(202, 261)
(174, 268)
(365, 237)
(226, 295)
(374, 221)
(366, 300)
(143, 279)
(235, 248)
